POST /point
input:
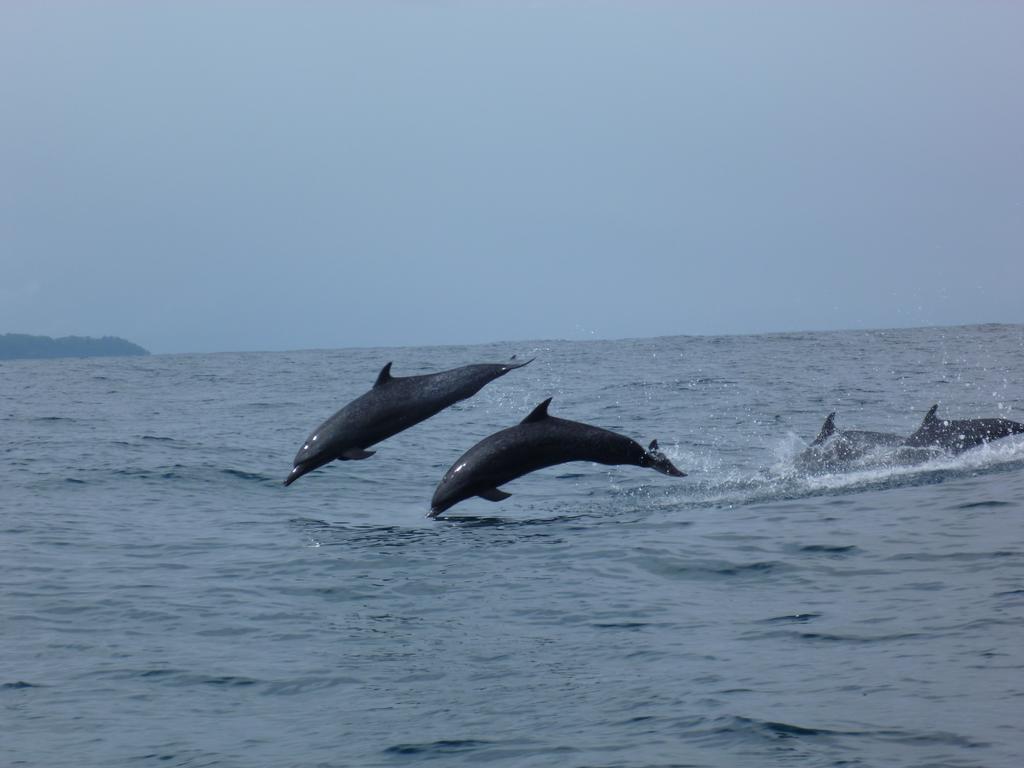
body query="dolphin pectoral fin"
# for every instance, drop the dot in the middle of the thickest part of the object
(354, 454)
(494, 495)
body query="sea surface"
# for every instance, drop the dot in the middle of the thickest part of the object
(166, 601)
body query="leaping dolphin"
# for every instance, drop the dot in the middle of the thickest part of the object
(394, 404)
(835, 449)
(960, 435)
(538, 441)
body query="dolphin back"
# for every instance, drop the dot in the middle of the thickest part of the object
(392, 405)
(961, 435)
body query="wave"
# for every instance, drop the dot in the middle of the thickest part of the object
(731, 728)
(250, 476)
(834, 637)
(439, 748)
(271, 687)
(194, 473)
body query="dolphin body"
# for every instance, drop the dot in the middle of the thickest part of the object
(394, 404)
(834, 450)
(538, 441)
(962, 435)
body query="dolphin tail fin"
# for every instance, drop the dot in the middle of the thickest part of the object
(511, 365)
(494, 494)
(827, 429)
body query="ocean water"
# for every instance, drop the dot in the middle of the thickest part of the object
(164, 600)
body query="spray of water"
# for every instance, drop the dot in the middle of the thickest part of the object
(710, 483)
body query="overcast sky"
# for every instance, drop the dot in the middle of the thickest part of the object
(201, 176)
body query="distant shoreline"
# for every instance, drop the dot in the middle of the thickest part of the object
(22, 346)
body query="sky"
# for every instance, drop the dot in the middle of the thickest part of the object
(214, 176)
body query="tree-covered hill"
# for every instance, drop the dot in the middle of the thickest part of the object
(21, 345)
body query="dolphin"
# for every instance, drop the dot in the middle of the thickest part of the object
(538, 441)
(834, 449)
(394, 404)
(962, 435)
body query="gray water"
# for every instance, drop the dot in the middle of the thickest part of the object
(165, 600)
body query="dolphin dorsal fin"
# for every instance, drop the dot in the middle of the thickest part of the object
(537, 414)
(384, 376)
(827, 429)
(653, 446)
(930, 416)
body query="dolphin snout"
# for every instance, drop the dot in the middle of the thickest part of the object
(666, 467)
(440, 503)
(297, 472)
(657, 460)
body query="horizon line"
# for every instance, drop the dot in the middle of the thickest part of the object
(591, 339)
